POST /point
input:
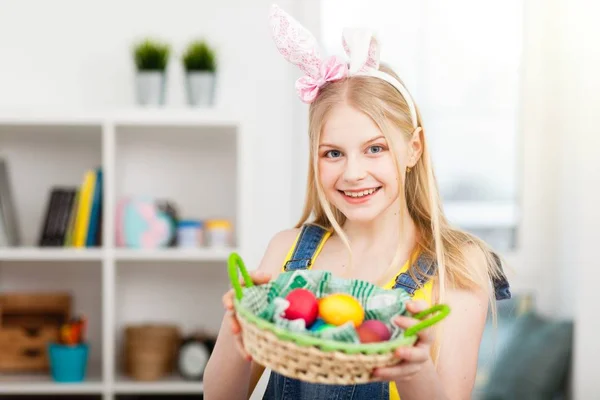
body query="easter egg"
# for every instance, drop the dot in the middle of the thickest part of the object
(367, 335)
(303, 305)
(320, 325)
(339, 308)
(378, 327)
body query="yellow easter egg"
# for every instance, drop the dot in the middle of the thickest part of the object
(339, 308)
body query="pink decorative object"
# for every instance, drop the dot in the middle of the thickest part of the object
(141, 224)
(119, 223)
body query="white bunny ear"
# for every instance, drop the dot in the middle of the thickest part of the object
(362, 48)
(295, 43)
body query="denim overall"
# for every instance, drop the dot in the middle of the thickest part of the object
(284, 388)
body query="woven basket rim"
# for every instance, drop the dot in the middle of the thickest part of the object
(306, 340)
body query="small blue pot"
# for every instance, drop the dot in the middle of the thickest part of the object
(68, 363)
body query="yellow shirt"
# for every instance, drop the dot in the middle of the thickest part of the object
(423, 293)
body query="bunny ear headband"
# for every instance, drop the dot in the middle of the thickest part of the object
(298, 46)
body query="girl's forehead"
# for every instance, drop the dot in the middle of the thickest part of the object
(347, 125)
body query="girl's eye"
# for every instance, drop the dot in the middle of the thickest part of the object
(375, 149)
(333, 154)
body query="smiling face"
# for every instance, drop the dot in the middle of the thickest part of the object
(356, 165)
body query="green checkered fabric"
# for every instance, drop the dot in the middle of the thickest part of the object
(268, 301)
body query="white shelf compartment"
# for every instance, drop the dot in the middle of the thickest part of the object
(41, 157)
(82, 280)
(172, 292)
(193, 167)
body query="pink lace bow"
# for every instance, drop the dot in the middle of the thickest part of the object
(331, 70)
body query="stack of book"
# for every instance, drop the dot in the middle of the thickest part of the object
(74, 214)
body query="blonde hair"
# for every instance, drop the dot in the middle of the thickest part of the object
(438, 240)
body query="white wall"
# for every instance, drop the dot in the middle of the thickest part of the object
(561, 172)
(72, 54)
(536, 262)
(579, 143)
(307, 12)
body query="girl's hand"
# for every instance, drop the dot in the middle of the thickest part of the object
(258, 278)
(413, 358)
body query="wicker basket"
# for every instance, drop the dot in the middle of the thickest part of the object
(150, 350)
(313, 359)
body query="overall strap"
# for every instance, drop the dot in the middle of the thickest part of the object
(423, 269)
(501, 285)
(308, 243)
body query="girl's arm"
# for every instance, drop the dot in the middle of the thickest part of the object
(228, 375)
(462, 330)
(455, 375)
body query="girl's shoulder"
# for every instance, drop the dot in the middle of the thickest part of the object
(283, 240)
(277, 250)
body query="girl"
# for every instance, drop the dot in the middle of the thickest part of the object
(372, 212)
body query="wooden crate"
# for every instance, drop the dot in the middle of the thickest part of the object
(26, 349)
(34, 309)
(28, 322)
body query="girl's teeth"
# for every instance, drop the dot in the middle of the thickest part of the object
(359, 194)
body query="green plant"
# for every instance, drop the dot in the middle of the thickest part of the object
(199, 56)
(151, 55)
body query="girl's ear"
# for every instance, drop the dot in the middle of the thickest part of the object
(415, 147)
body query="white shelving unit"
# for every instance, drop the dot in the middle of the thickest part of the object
(193, 158)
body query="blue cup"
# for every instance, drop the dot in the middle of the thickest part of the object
(68, 363)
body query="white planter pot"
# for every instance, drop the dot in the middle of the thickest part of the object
(200, 88)
(150, 88)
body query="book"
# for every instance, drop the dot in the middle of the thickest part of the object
(7, 207)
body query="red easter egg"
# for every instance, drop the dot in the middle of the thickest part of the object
(378, 327)
(367, 335)
(303, 304)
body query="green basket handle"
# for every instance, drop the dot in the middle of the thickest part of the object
(443, 309)
(233, 263)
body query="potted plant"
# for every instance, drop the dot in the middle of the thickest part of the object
(199, 61)
(151, 58)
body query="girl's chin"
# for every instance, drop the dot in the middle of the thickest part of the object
(360, 214)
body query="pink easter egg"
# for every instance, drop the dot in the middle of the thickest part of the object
(378, 327)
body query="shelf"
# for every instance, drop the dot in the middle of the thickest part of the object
(134, 116)
(173, 254)
(50, 254)
(173, 384)
(86, 254)
(43, 384)
(174, 117)
(192, 158)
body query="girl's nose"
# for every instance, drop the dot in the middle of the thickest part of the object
(354, 171)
